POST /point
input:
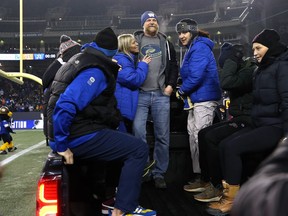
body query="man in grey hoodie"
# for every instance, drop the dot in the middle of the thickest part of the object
(156, 91)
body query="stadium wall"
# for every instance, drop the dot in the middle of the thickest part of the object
(27, 120)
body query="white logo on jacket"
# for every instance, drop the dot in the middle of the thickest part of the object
(91, 80)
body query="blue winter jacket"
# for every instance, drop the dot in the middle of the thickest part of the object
(129, 79)
(199, 72)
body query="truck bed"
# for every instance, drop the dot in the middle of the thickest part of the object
(173, 201)
(78, 185)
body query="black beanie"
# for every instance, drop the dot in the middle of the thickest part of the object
(107, 40)
(267, 37)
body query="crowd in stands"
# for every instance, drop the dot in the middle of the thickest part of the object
(21, 98)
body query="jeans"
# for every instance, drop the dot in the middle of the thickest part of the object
(159, 105)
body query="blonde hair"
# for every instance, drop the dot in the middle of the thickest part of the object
(124, 43)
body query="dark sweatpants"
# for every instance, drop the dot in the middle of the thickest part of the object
(209, 139)
(247, 140)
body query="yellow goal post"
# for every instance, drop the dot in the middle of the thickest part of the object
(17, 77)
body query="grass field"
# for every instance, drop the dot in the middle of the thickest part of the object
(22, 169)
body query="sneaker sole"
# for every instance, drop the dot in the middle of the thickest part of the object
(105, 212)
(195, 190)
(138, 214)
(105, 209)
(214, 199)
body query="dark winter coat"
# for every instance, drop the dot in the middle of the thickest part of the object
(237, 79)
(102, 112)
(270, 92)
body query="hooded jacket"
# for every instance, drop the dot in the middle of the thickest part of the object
(237, 79)
(129, 79)
(101, 112)
(169, 62)
(270, 92)
(199, 72)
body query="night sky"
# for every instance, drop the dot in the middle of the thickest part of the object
(38, 8)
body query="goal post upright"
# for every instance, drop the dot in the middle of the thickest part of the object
(17, 77)
(21, 36)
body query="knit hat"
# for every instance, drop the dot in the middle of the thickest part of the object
(186, 25)
(65, 43)
(146, 15)
(267, 37)
(107, 41)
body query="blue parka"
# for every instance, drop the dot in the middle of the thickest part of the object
(199, 72)
(129, 79)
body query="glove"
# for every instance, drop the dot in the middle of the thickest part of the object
(228, 51)
(180, 95)
(238, 53)
(188, 105)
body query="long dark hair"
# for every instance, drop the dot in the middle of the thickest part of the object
(203, 33)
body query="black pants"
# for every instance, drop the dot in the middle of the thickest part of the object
(209, 139)
(247, 140)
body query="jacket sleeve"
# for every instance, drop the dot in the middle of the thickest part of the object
(76, 97)
(172, 66)
(129, 76)
(198, 59)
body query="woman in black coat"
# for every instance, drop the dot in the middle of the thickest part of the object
(269, 115)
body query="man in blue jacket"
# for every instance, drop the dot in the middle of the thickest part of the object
(82, 118)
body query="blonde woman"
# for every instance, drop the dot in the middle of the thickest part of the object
(130, 77)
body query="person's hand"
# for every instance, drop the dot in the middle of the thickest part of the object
(233, 52)
(238, 52)
(168, 90)
(120, 67)
(147, 59)
(68, 156)
(180, 95)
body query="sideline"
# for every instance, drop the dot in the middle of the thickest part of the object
(18, 154)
